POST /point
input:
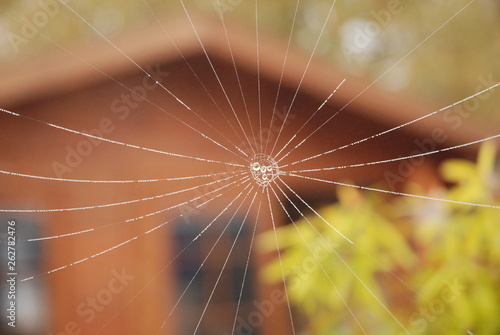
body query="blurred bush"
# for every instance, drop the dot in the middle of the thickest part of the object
(434, 265)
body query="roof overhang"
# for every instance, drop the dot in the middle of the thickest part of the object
(54, 74)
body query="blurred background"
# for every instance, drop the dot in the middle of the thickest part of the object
(445, 68)
(434, 264)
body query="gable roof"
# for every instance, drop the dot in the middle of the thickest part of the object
(55, 74)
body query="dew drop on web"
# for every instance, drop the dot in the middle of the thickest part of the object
(264, 169)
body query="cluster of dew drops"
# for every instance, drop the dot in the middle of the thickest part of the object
(264, 169)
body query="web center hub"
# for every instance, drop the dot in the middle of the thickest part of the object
(264, 169)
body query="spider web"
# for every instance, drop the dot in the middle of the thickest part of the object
(258, 121)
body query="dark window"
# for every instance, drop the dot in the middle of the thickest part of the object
(211, 250)
(30, 296)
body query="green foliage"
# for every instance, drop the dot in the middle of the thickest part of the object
(435, 265)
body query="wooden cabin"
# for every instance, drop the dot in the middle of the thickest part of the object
(155, 88)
